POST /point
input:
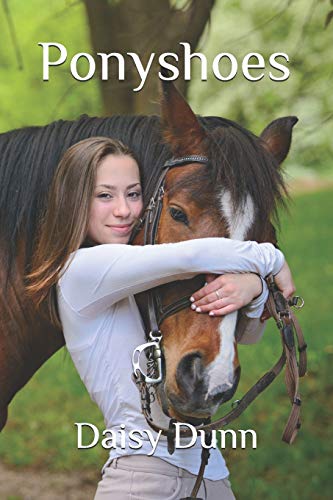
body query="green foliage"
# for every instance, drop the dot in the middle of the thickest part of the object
(296, 28)
(25, 98)
(41, 433)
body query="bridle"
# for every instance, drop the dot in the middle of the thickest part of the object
(278, 307)
(157, 312)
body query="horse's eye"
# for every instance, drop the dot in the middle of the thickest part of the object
(178, 215)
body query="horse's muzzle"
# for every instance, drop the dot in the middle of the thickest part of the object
(193, 398)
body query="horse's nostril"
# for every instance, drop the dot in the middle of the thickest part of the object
(190, 373)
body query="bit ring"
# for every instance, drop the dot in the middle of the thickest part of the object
(218, 295)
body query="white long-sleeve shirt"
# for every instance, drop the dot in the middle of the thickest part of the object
(102, 325)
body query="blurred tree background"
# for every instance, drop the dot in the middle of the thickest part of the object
(295, 27)
(158, 28)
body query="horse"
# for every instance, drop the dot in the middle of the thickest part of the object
(235, 195)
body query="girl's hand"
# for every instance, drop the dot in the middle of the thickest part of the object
(226, 293)
(284, 281)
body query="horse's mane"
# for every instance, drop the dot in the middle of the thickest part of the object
(242, 165)
(29, 156)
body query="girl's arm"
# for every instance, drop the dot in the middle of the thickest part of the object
(100, 276)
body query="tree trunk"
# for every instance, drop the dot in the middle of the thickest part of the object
(143, 27)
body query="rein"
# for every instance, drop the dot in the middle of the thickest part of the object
(279, 309)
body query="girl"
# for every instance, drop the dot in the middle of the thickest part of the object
(86, 276)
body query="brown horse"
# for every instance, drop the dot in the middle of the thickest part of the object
(235, 196)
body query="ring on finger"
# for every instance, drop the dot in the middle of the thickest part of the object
(217, 294)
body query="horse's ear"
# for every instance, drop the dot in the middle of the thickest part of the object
(181, 128)
(277, 137)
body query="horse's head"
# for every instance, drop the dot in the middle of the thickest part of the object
(234, 195)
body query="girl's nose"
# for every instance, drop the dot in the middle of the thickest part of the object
(122, 208)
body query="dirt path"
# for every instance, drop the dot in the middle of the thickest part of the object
(307, 185)
(27, 484)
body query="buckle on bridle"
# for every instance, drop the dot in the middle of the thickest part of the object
(156, 359)
(150, 209)
(297, 302)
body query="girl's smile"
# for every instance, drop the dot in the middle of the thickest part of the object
(121, 229)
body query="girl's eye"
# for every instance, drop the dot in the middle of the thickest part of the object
(178, 215)
(134, 194)
(105, 196)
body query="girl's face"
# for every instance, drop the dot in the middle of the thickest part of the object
(117, 201)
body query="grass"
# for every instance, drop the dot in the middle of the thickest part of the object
(41, 433)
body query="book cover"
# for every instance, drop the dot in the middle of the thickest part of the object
(247, 62)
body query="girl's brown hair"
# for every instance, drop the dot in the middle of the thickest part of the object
(64, 226)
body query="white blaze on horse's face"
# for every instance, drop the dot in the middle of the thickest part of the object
(239, 221)
(221, 370)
